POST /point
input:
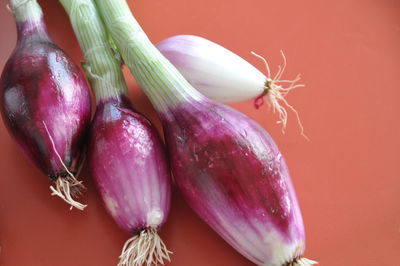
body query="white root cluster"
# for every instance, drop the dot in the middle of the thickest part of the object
(276, 93)
(66, 187)
(302, 262)
(146, 248)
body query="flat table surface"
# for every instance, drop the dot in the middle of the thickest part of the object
(347, 178)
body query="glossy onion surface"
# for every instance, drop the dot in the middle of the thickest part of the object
(128, 161)
(234, 177)
(45, 104)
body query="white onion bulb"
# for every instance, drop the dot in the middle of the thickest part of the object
(224, 76)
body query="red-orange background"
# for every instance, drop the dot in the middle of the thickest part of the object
(347, 177)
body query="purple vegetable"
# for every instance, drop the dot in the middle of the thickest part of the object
(45, 102)
(128, 162)
(234, 177)
(126, 155)
(227, 166)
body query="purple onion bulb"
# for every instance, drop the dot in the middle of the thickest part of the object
(128, 162)
(234, 177)
(45, 102)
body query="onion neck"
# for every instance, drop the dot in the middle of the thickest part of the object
(103, 67)
(29, 18)
(159, 79)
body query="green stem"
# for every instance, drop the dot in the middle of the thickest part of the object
(103, 68)
(159, 79)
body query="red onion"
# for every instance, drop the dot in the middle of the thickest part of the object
(126, 155)
(127, 160)
(234, 177)
(45, 102)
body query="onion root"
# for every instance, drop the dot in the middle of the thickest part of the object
(301, 262)
(145, 248)
(276, 93)
(68, 186)
(65, 188)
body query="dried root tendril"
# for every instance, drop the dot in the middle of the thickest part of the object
(301, 262)
(66, 187)
(145, 248)
(276, 93)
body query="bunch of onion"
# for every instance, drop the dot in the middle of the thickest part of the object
(126, 155)
(227, 166)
